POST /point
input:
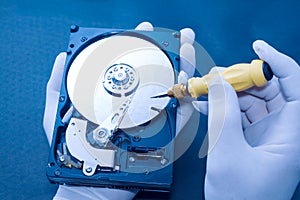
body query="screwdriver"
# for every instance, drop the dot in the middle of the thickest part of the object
(241, 76)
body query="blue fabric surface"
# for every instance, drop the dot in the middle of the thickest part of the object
(33, 32)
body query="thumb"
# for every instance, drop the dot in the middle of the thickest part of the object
(224, 116)
(55, 79)
(52, 95)
(284, 68)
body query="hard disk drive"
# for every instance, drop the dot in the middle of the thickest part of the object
(108, 131)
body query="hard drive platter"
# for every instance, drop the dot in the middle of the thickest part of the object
(116, 135)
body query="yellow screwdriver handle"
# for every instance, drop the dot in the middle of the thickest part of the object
(240, 76)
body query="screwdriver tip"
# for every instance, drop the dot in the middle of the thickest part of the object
(160, 96)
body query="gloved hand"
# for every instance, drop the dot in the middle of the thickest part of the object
(187, 67)
(187, 54)
(254, 137)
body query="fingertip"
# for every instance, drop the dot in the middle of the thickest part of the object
(55, 79)
(182, 77)
(59, 62)
(187, 52)
(144, 26)
(61, 56)
(201, 106)
(187, 36)
(257, 44)
(261, 48)
(266, 52)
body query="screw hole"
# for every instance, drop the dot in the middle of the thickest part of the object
(72, 45)
(51, 164)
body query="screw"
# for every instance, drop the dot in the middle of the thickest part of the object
(136, 138)
(101, 134)
(74, 28)
(176, 34)
(57, 172)
(164, 161)
(88, 170)
(69, 51)
(173, 105)
(131, 159)
(61, 98)
(165, 43)
(146, 171)
(62, 158)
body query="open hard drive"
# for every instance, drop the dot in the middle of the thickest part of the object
(115, 135)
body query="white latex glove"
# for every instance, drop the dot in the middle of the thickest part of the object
(254, 140)
(187, 53)
(187, 66)
(52, 95)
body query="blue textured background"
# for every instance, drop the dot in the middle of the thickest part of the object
(33, 32)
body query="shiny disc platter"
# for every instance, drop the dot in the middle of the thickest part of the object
(112, 70)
